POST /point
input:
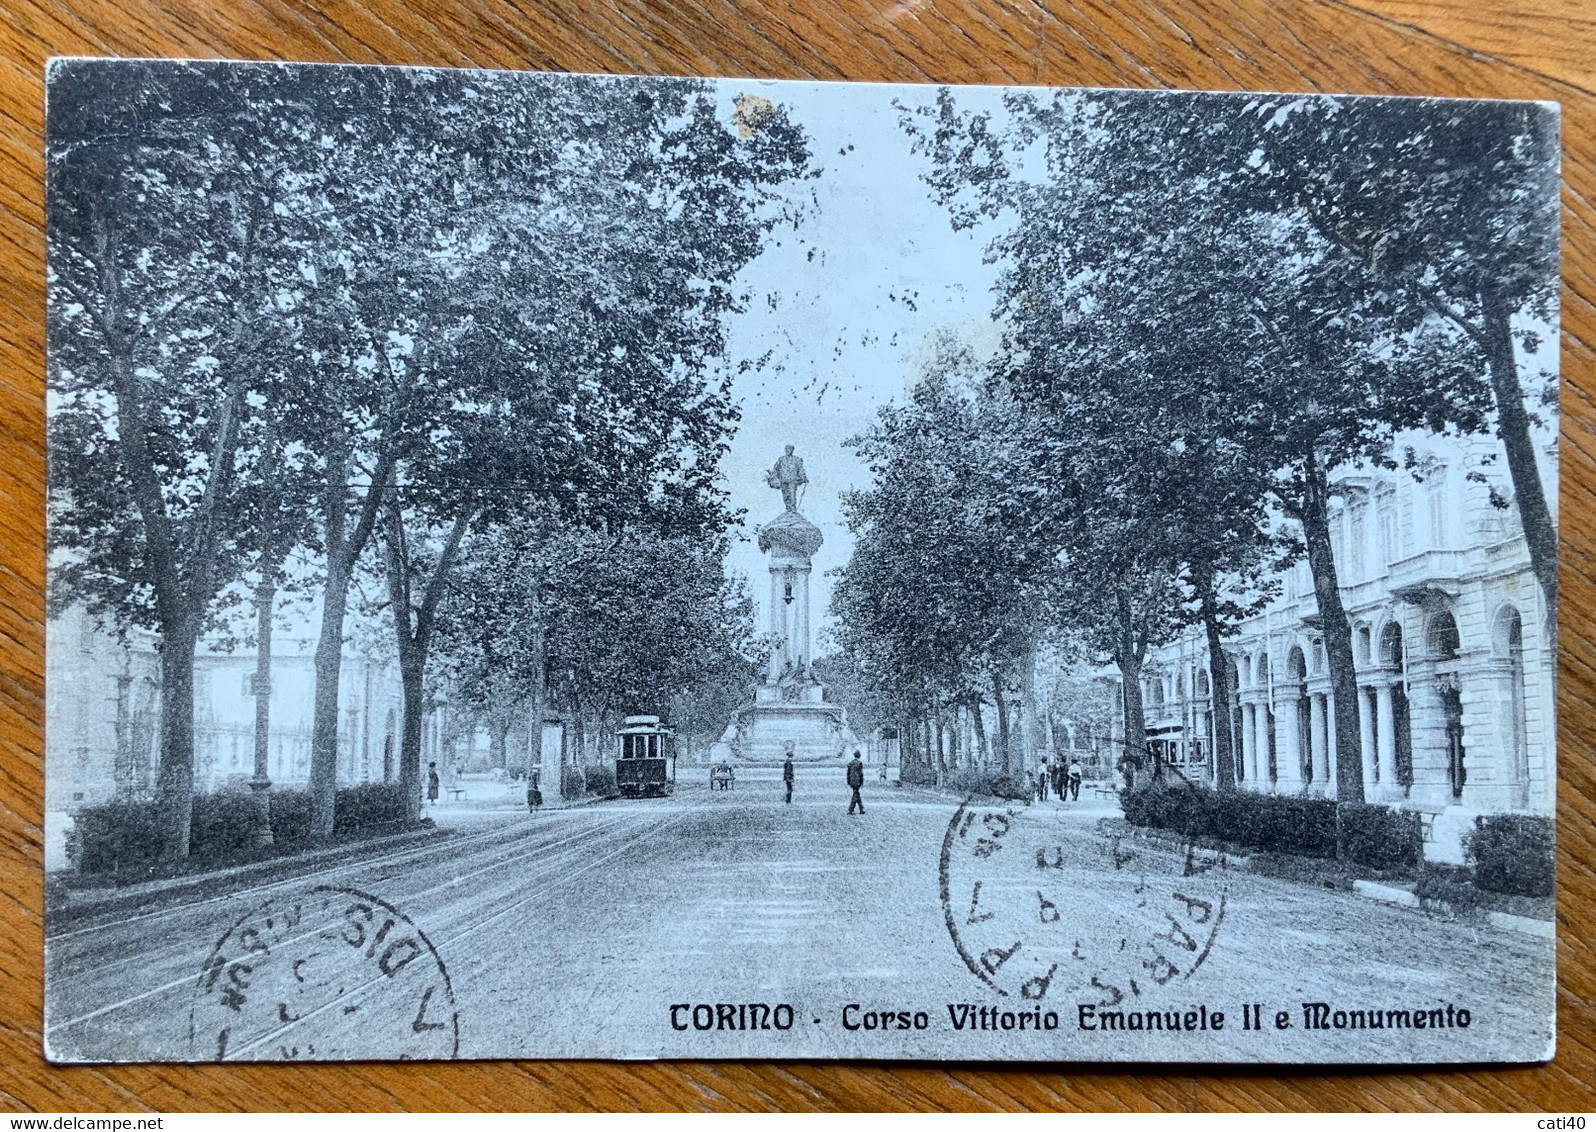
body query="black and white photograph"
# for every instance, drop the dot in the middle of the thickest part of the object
(578, 566)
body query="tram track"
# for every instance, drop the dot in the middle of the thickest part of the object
(447, 944)
(188, 956)
(506, 831)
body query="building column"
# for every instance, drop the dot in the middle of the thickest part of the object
(1318, 752)
(778, 625)
(1248, 745)
(1260, 747)
(1288, 744)
(1366, 738)
(800, 621)
(1385, 742)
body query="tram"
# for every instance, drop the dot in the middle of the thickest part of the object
(646, 767)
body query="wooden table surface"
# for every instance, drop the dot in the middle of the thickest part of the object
(1542, 49)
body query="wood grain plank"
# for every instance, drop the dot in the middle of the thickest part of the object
(1524, 49)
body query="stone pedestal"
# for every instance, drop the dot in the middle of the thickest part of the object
(789, 704)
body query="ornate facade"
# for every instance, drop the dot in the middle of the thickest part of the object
(1454, 655)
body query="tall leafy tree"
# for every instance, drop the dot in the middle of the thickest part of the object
(941, 592)
(1228, 330)
(1450, 210)
(589, 288)
(171, 193)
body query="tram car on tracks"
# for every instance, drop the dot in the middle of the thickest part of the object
(646, 766)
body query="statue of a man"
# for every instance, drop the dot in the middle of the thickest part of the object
(787, 477)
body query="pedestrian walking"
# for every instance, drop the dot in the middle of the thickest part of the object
(1075, 780)
(786, 770)
(1042, 775)
(432, 784)
(534, 794)
(856, 780)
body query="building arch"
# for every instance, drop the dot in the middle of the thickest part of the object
(1444, 645)
(1392, 655)
(1507, 647)
(1301, 707)
(1390, 652)
(1361, 642)
(1441, 637)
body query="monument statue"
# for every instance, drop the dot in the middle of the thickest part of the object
(787, 477)
(789, 712)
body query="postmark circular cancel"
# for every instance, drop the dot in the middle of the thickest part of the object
(332, 973)
(1042, 906)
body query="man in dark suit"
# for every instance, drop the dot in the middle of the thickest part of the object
(786, 769)
(856, 780)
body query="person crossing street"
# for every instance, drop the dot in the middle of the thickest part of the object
(786, 770)
(856, 780)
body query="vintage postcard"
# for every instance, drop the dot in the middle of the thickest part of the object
(576, 566)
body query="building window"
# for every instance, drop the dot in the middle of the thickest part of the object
(1435, 497)
(1357, 537)
(1386, 518)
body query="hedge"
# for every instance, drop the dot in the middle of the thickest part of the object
(1374, 835)
(125, 837)
(600, 780)
(1382, 838)
(985, 782)
(1513, 853)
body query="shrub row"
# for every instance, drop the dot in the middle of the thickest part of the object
(1513, 853)
(125, 837)
(987, 783)
(600, 780)
(1373, 835)
(1382, 838)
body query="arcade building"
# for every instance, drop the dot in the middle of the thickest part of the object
(1455, 660)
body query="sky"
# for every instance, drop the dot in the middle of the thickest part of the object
(848, 322)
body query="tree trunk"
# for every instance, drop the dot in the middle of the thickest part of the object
(1512, 423)
(1134, 754)
(539, 697)
(410, 737)
(1336, 631)
(1032, 714)
(1218, 691)
(329, 662)
(343, 550)
(499, 738)
(174, 782)
(413, 635)
(1001, 700)
(982, 744)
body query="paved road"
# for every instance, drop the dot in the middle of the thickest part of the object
(575, 933)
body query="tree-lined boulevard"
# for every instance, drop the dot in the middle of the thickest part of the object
(446, 353)
(737, 897)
